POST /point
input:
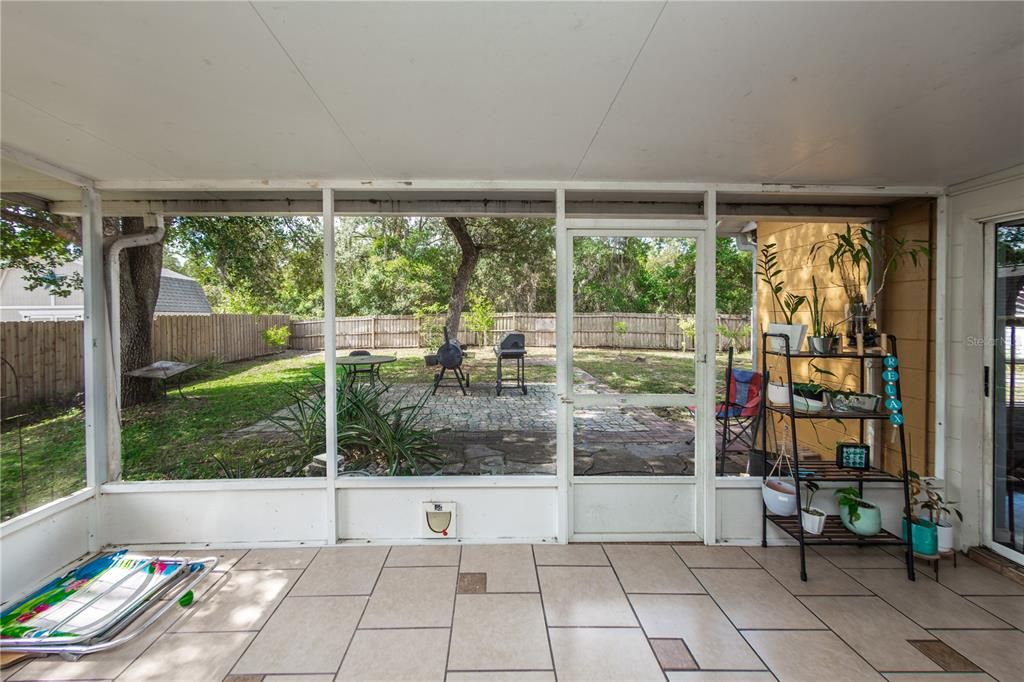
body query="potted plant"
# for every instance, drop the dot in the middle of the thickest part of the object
(787, 306)
(857, 514)
(937, 524)
(823, 339)
(808, 396)
(851, 254)
(812, 518)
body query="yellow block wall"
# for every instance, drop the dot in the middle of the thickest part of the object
(907, 314)
(908, 311)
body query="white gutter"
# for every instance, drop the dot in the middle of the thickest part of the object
(151, 220)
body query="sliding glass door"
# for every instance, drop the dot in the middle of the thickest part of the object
(1007, 388)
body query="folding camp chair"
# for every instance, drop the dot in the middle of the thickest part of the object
(739, 415)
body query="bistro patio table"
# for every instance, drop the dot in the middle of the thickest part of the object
(369, 364)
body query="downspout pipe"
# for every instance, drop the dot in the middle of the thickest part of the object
(155, 224)
(747, 241)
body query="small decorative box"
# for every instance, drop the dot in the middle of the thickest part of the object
(853, 456)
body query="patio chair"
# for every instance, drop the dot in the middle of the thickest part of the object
(741, 409)
(361, 372)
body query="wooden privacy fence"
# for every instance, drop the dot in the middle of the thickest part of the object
(49, 361)
(590, 330)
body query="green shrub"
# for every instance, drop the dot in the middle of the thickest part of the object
(277, 337)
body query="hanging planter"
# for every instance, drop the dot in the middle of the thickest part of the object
(779, 495)
(778, 492)
(794, 332)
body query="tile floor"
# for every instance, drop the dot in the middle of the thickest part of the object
(577, 612)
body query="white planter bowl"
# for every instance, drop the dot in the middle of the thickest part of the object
(945, 532)
(795, 332)
(813, 523)
(779, 496)
(802, 404)
(778, 394)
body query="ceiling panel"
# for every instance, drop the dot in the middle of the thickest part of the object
(189, 89)
(848, 93)
(465, 90)
(761, 91)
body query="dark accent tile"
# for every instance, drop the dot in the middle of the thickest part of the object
(673, 654)
(944, 656)
(472, 583)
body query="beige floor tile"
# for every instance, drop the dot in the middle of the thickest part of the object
(1010, 609)
(417, 597)
(102, 666)
(936, 677)
(189, 657)
(971, 578)
(584, 595)
(305, 635)
(807, 656)
(424, 555)
(583, 554)
(875, 630)
(822, 576)
(342, 571)
(207, 585)
(509, 568)
(411, 654)
(695, 618)
(499, 632)
(511, 676)
(999, 653)
(592, 654)
(720, 676)
(226, 558)
(753, 599)
(846, 556)
(300, 678)
(242, 600)
(651, 568)
(702, 556)
(282, 559)
(924, 601)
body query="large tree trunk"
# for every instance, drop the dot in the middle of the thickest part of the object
(470, 258)
(140, 286)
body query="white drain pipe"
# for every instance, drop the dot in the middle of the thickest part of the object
(155, 236)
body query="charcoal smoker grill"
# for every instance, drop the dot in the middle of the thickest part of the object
(449, 358)
(512, 346)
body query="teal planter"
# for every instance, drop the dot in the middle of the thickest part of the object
(925, 536)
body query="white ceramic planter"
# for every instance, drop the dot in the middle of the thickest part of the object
(795, 332)
(778, 394)
(945, 531)
(813, 523)
(779, 496)
(869, 523)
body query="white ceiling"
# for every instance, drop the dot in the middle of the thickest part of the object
(845, 93)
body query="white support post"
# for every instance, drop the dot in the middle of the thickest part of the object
(704, 459)
(95, 344)
(330, 368)
(563, 362)
(941, 331)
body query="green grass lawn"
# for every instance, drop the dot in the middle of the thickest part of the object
(184, 439)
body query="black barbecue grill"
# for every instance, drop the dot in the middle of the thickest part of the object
(449, 357)
(512, 346)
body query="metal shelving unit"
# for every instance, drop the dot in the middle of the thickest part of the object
(835, 533)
